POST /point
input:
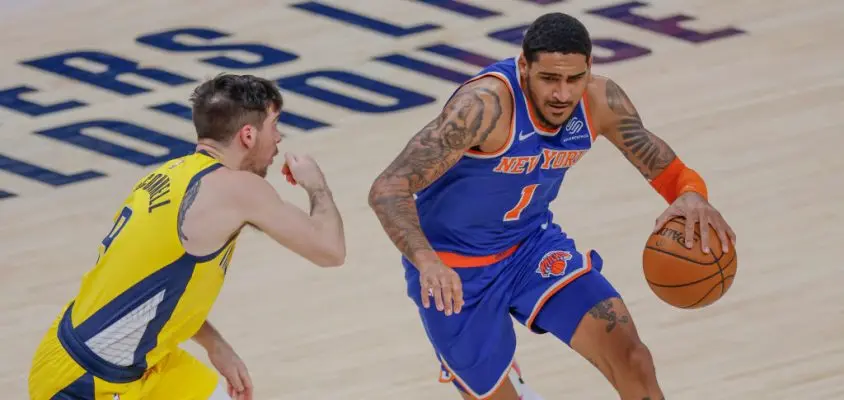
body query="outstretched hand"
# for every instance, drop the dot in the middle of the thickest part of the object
(696, 210)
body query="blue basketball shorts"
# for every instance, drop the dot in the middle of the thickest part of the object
(546, 284)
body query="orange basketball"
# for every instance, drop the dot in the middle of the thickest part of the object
(683, 277)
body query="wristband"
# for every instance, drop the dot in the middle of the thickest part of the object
(677, 179)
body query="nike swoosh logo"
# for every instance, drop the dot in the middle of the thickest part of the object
(523, 136)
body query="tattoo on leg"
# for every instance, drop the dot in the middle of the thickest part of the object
(605, 311)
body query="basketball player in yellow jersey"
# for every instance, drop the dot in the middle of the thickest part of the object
(162, 263)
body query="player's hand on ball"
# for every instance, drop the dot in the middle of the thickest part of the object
(443, 284)
(696, 210)
(303, 170)
(231, 367)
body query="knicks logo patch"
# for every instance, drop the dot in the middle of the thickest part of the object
(554, 263)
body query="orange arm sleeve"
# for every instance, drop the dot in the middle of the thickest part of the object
(677, 179)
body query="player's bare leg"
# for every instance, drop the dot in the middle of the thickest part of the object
(513, 388)
(607, 338)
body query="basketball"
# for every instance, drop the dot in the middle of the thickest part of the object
(683, 277)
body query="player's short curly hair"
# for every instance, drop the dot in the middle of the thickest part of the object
(223, 104)
(556, 33)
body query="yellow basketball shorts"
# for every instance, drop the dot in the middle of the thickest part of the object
(55, 375)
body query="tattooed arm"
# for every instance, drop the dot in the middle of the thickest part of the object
(469, 119)
(621, 124)
(679, 185)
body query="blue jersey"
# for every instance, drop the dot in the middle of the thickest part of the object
(490, 202)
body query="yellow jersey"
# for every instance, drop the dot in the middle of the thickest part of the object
(146, 294)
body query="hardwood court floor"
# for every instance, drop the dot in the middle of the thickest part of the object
(758, 114)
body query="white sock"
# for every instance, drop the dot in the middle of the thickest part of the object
(525, 392)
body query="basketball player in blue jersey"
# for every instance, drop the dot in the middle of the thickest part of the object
(164, 260)
(466, 203)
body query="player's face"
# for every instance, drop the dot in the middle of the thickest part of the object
(264, 148)
(555, 83)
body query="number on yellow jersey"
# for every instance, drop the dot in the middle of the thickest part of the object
(121, 221)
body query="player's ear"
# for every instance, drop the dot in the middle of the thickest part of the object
(247, 135)
(522, 64)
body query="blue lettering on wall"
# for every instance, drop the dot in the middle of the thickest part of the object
(462, 8)
(621, 50)
(41, 174)
(404, 98)
(12, 99)
(667, 26)
(5, 195)
(169, 41)
(116, 66)
(286, 118)
(75, 134)
(362, 21)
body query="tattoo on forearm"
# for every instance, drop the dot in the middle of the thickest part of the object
(605, 311)
(467, 120)
(645, 150)
(187, 202)
(398, 216)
